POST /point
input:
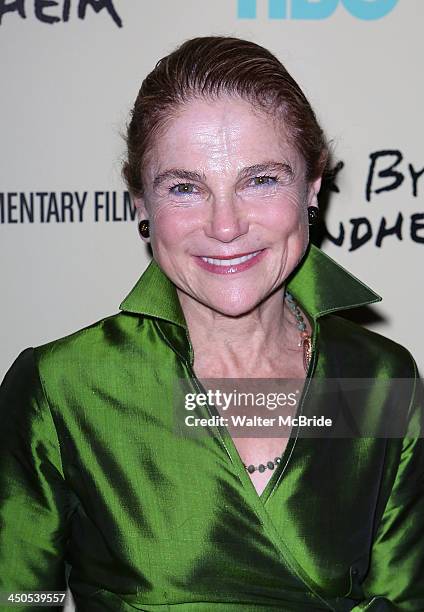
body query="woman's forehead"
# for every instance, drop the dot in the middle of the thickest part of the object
(225, 112)
(226, 132)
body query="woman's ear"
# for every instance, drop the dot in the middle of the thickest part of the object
(143, 218)
(141, 208)
(314, 191)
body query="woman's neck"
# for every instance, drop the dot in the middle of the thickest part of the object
(261, 343)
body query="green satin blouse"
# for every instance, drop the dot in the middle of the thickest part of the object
(92, 473)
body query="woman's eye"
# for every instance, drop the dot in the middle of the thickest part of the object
(264, 180)
(183, 188)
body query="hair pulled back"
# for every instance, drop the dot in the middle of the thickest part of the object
(208, 67)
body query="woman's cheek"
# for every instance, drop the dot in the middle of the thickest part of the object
(285, 214)
(171, 222)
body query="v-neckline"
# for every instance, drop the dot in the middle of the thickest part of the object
(258, 501)
(231, 449)
(278, 472)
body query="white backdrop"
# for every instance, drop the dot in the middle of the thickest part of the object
(67, 88)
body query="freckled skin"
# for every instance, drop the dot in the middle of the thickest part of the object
(224, 215)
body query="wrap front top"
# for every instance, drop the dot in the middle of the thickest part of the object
(93, 475)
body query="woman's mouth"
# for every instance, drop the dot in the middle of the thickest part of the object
(229, 265)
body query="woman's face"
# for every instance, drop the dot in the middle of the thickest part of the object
(226, 197)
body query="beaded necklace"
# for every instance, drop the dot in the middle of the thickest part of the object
(306, 343)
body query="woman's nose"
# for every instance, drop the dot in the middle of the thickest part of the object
(226, 220)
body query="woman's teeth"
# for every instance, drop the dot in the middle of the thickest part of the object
(230, 262)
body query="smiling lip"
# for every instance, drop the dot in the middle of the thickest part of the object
(221, 264)
(233, 256)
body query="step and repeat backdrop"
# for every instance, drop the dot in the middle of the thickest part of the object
(70, 72)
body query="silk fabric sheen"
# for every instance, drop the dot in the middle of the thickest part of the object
(92, 472)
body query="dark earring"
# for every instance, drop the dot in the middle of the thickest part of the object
(313, 214)
(143, 228)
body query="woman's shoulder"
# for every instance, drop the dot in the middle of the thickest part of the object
(365, 348)
(93, 346)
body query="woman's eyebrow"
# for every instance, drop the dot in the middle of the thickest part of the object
(271, 166)
(190, 175)
(177, 173)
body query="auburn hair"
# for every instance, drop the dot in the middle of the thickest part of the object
(207, 67)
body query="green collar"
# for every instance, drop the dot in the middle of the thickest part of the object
(319, 284)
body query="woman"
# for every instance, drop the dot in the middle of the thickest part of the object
(225, 160)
